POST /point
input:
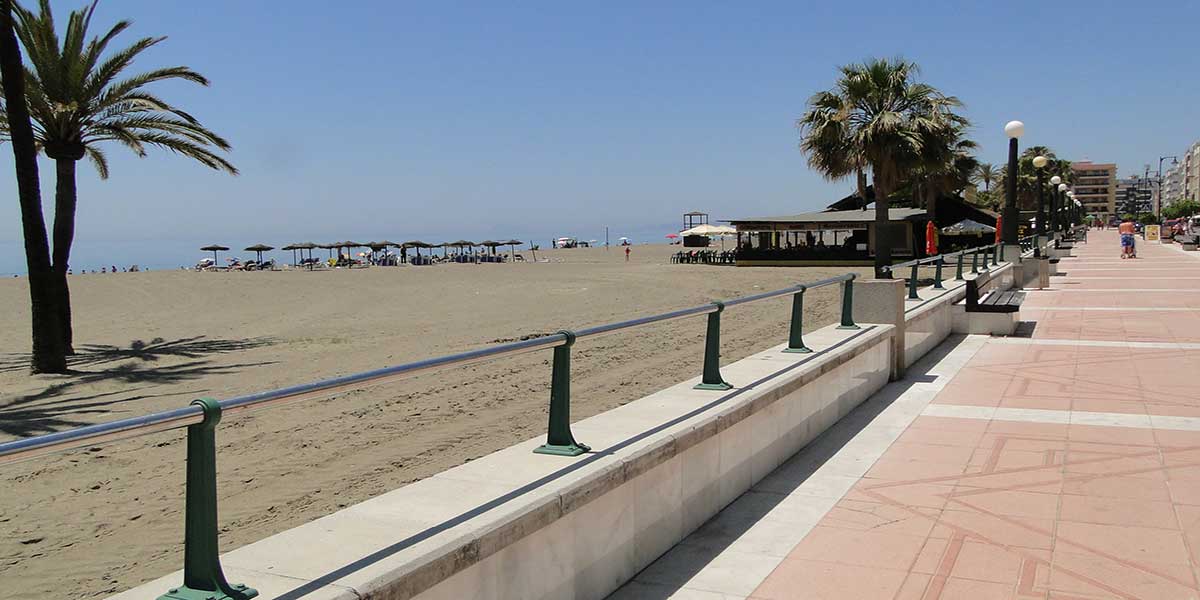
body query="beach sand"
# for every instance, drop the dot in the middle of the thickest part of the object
(101, 520)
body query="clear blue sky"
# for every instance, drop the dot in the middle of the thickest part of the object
(372, 119)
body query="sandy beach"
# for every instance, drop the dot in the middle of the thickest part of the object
(99, 521)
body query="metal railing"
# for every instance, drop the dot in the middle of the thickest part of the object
(991, 253)
(202, 573)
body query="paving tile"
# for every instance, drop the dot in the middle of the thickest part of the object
(860, 548)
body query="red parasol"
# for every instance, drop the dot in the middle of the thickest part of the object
(999, 225)
(930, 239)
(671, 236)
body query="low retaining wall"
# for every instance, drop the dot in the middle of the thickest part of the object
(515, 524)
(930, 320)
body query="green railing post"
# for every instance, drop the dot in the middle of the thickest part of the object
(559, 440)
(848, 304)
(985, 265)
(974, 262)
(912, 284)
(995, 255)
(958, 271)
(795, 339)
(203, 578)
(937, 275)
(711, 380)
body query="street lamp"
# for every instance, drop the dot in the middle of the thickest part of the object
(1174, 162)
(1055, 204)
(1039, 163)
(1014, 130)
(1062, 194)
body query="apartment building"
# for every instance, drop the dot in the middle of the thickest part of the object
(1135, 195)
(1172, 185)
(1095, 186)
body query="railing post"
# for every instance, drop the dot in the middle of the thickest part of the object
(711, 379)
(974, 262)
(912, 284)
(958, 271)
(995, 255)
(848, 304)
(203, 578)
(795, 340)
(559, 440)
(937, 275)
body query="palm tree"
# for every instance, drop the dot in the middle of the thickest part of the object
(48, 354)
(946, 163)
(986, 174)
(876, 117)
(80, 99)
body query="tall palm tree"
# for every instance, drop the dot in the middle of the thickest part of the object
(80, 98)
(986, 174)
(875, 117)
(48, 355)
(946, 163)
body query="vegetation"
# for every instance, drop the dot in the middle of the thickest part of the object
(1176, 210)
(877, 117)
(81, 99)
(1027, 176)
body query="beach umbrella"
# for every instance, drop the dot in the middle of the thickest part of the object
(259, 249)
(293, 248)
(418, 244)
(513, 247)
(968, 227)
(999, 227)
(930, 238)
(491, 245)
(214, 248)
(302, 246)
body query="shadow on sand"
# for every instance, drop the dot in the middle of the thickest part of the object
(55, 407)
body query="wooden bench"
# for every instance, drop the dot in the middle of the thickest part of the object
(993, 302)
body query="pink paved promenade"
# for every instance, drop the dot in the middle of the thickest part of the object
(1060, 465)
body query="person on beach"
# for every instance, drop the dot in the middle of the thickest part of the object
(626, 253)
(1126, 230)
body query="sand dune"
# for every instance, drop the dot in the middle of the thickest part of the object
(102, 520)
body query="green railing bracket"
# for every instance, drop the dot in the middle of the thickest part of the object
(559, 440)
(958, 271)
(848, 304)
(912, 284)
(203, 578)
(974, 262)
(986, 259)
(711, 379)
(795, 338)
(937, 275)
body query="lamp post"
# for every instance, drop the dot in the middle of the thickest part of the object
(1039, 163)
(1062, 201)
(1014, 130)
(1055, 204)
(1158, 205)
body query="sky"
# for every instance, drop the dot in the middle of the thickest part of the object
(368, 119)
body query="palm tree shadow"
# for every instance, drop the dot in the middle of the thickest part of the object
(56, 407)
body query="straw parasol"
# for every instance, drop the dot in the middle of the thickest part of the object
(293, 248)
(214, 248)
(418, 244)
(259, 249)
(491, 244)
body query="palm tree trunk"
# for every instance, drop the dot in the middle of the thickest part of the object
(47, 355)
(883, 242)
(64, 235)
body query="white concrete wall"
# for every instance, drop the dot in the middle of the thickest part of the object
(930, 320)
(519, 525)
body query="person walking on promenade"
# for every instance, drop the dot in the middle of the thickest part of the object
(1126, 230)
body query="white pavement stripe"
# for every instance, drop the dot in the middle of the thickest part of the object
(1109, 290)
(1117, 308)
(1073, 417)
(1097, 343)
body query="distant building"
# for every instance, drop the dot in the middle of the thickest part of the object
(1135, 195)
(1191, 173)
(1172, 186)
(1095, 186)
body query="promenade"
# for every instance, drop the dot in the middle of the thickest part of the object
(1061, 463)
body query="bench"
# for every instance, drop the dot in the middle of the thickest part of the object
(999, 301)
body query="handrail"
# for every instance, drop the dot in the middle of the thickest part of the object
(202, 572)
(26, 448)
(934, 258)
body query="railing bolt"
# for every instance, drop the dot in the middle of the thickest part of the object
(795, 342)
(848, 304)
(559, 440)
(202, 574)
(711, 379)
(937, 275)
